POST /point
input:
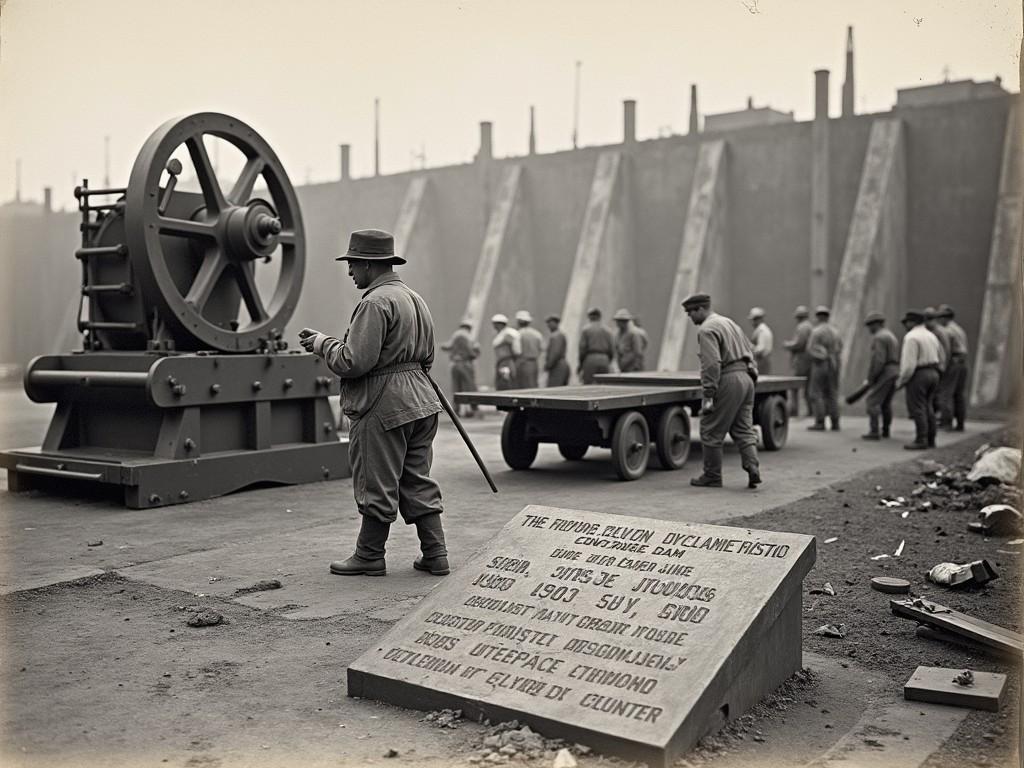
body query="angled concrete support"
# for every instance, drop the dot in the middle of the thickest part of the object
(871, 275)
(601, 274)
(997, 362)
(409, 213)
(701, 257)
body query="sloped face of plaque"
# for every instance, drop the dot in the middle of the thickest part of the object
(631, 635)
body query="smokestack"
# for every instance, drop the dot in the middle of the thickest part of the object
(694, 115)
(376, 137)
(486, 149)
(750, 102)
(106, 161)
(628, 121)
(47, 199)
(533, 137)
(821, 94)
(848, 82)
(344, 150)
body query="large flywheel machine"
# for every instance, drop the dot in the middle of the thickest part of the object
(184, 388)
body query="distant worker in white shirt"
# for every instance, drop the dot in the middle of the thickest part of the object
(761, 341)
(921, 363)
(507, 348)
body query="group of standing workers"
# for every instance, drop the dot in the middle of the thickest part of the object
(521, 353)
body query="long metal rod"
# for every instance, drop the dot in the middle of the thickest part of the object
(87, 378)
(462, 431)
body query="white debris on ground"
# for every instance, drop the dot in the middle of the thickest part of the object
(1000, 465)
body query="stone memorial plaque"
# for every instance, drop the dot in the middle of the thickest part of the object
(631, 635)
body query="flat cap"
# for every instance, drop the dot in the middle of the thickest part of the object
(801, 311)
(929, 313)
(524, 316)
(371, 245)
(914, 315)
(945, 311)
(556, 318)
(874, 317)
(499, 318)
(622, 314)
(593, 312)
(755, 313)
(821, 309)
(696, 300)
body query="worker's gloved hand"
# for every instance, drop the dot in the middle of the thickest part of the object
(308, 338)
(707, 404)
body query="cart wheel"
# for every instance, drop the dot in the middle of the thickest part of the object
(672, 438)
(773, 418)
(631, 445)
(572, 451)
(518, 450)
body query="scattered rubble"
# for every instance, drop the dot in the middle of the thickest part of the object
(260, 586)
(996, 465)
(445, 718)
(831, 630)
(513, 741)
(94, 543)
(825, 589)
(205, 618)
(964, 678)
(998, 520)
(953, 575)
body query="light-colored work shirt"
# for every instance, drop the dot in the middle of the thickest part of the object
(719, 342)
(825, 344)
(507, 343)
(531, 342)
(921, 347)
(762, 341)
(461, 347)
(390, 328)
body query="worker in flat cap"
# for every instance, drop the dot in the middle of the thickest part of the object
(921, 362)
(555, 364)
(383, 360)
(800, 359)
(953, 384)
(596, 348)
(761, 341)
(727, 377)
(883, 370)
(507, 347)
(825, 348)
(629, 346)
(463, 350)
(531, 344)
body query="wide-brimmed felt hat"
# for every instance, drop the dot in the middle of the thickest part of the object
(500, 318)
(622, 314)
(929, 313)
(913, 315)
(945, 310)
(524, 316)
(801, 311)
(371, 245)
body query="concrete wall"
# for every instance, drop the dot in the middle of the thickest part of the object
(952, 158)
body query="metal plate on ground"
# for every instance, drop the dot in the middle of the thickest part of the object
(938, 685)
(632, 635)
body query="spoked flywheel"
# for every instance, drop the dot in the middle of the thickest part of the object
(195, 255)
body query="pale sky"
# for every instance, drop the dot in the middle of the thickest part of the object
(304, 73)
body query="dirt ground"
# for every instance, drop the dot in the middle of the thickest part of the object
(105, 670)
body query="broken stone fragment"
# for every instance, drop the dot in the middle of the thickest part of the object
(205, 619)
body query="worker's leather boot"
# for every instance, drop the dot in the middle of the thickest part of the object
(872, 428)
(434, 559)
(368, 559)
(712, 475)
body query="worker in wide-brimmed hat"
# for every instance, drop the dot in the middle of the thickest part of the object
(596, 348)
(383, 359)
(825, 347)
(727, 377)
(629, 346)
(800, 360)
(507, 346)
(555, 364)
(921, 361)
(463, 350)
(531, 344)
(761, 340)
(883, 370)
(953, 385)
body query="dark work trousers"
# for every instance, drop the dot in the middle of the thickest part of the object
(505, 373)
(824, 391)
(952, 391)
(526, 372)
(593, 364)
(879, 400)
(558, 375)
(733, 413)
(921, 403)
(391, 471)
(464, 379)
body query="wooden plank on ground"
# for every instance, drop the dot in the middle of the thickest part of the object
(937, 685)
(933, 614)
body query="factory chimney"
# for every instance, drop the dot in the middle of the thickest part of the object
(486, 149)
(848, 82)
(533, 136)
(344, 150)
(694, 115)
(628, 121)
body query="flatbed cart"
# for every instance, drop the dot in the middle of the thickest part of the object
(624, 412)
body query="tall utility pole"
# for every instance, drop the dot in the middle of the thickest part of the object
(17, 180)
(576, 110)
(376, 137)
(106, 162)
(848, 87)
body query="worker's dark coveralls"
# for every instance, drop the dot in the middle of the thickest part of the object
(532, 345)
(555, 363)
(801, 360)
(883, 371)
(462, 351)
(953, 384)
(391, 404)
(825, 347)
(726, 361)
(921, 362)
(597, 348)
(629, 350)
(944, 391)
